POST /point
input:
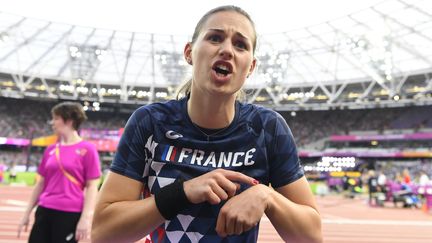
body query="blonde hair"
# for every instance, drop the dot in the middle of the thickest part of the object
(185, 88)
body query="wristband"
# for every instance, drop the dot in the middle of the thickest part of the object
(171, 199)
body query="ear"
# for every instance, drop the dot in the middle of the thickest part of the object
(252, 67)
(187, 52)
(69, 122)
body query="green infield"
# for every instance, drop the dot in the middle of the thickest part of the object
(27, 178)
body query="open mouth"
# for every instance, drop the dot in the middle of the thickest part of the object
(222, 68)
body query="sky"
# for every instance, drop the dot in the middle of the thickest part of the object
(180, 16)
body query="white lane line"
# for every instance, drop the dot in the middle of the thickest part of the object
(12, 209)
(378, 222)
(16, 202)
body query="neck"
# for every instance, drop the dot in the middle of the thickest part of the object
(211, 112)
(70, 138)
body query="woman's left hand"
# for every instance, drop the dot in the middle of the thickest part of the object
(82, 228)
(243, 211)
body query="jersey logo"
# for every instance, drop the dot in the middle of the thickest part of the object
(52, 152)
(209, 158)
(69, 236)
(81, 152)
(173, 135)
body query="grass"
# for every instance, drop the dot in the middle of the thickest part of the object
(27, 178)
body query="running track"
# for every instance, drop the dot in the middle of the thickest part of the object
(344, 221)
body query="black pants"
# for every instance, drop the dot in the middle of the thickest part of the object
(53, 226)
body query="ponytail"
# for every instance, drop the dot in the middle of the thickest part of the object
(184, 90)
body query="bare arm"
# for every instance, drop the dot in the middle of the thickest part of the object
(31, 204)
(120, 215)
(90, 194)
(293, 212)
(291, 209)
(90, 198)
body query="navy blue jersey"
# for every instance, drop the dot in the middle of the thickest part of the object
(160, 144)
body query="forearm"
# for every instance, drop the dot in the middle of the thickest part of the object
(34, 197)
(294, 222)
(89, 200)
(125, 221)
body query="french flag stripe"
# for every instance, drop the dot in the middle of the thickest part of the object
(164, 155)
(168, 153)
(173, 154)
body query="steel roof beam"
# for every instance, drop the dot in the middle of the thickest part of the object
(51, 48)
(25, 42)
(67, 63)
(123, 85)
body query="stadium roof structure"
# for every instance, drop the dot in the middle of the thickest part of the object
(377, 57)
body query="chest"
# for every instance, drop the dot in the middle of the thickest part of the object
(182, 152)
(70, 159)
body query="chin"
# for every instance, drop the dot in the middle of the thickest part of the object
(222, 92)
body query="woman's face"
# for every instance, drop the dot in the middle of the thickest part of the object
(59, 126)
(222, 55)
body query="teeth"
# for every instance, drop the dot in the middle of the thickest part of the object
(223, 67)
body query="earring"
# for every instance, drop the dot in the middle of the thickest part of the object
(189, 61)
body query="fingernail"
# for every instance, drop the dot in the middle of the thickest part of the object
(255, 182)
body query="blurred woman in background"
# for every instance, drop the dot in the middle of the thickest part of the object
(66, 190)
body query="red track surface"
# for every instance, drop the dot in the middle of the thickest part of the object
(344, 220)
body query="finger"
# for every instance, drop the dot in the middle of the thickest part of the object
(238, 186)
(231, 188)
(220, 225)
(225, 223)
(219, 192)
(20, 226)
(226, 185)
(239, 177)
(83, 235)
(238, 228)
(78, 236)
(230, 225)
(212, 197)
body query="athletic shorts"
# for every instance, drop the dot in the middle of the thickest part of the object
(54, 226)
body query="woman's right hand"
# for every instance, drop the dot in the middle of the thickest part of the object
(23, 223)
(215, 186)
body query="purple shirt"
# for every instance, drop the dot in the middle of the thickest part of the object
(81, 160)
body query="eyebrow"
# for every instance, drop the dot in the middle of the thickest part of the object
(237, 33)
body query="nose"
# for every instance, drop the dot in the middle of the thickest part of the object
(226, 50)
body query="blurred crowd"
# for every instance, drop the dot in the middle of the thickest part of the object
(310, 126)
(22, 118)
(393, 184)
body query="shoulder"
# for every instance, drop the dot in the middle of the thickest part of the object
(259, 114)
(87, 145)
(50, 148)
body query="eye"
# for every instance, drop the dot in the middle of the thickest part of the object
(215, 38)
(241, 45)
